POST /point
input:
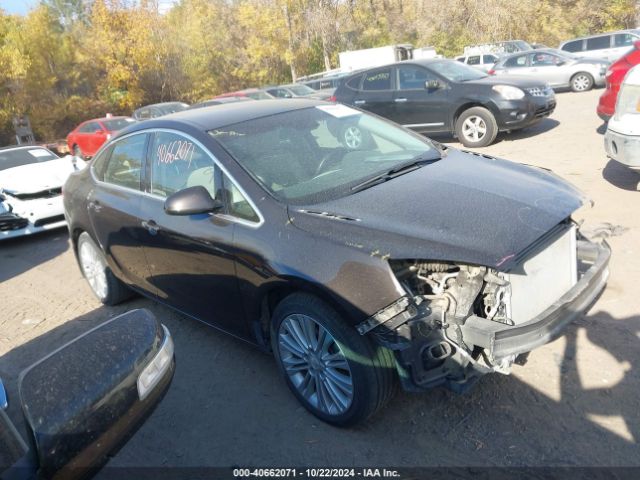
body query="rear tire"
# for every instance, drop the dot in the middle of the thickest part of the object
(104, 284)
(341, 377)
(581, 82)
(476, 127)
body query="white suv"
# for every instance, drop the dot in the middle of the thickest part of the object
(483, 62)
(606, 46)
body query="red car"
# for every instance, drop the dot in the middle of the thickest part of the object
(87, 138)
(615, 75)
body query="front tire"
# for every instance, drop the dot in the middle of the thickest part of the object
(103, 283)
(581, 82)
(476, 127)
(338, 375)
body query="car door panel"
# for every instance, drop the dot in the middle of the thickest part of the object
(419, 107)
(376, 93)
(190, 257)
(114, 209)
(115, 216)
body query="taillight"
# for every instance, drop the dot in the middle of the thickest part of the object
(332, 98)
(491, 72)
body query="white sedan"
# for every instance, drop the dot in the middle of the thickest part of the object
(31, 180)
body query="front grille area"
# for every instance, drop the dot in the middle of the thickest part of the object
(545, 111)
(48, 220)
(11, 221)
(540, 92)
(50, 193)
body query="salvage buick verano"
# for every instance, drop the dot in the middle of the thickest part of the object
(358, 252)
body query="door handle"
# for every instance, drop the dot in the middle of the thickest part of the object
(400, 100)
(151, 226)
(95, 205)
(360, 102)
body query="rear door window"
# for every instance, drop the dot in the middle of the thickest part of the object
(124, 166)
(377, 80)
(543, 59)
(574, 46)
(516, 62)
(178, 163)
(599, 43)
(490, 59)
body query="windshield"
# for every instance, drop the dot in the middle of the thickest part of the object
(301, 90)
(319, 153)
(24, 156)
(171, 108)
(117, 123)
(456, 71)
(563, 53)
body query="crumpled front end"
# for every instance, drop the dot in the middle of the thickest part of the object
(26, 214)
(459, 322)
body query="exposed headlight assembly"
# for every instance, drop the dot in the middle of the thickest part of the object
(508, 92)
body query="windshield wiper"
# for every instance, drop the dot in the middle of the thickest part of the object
(414, 164)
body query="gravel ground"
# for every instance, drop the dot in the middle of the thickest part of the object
(574, 403)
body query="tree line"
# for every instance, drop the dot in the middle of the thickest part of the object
(70, 60)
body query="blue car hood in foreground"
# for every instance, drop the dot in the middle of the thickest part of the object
(465, 207)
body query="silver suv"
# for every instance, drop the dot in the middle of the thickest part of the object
(606, 46)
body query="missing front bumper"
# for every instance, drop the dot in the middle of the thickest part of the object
(500, 340)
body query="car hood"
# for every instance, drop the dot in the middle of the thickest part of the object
(520, 82)
(465, 207)
(36, 177)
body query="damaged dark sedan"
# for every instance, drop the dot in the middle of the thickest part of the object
(358, 252)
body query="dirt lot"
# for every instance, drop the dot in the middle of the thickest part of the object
(575, 403)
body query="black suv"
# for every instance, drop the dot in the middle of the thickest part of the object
(447, 96)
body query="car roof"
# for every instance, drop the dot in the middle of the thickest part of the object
(421, 61)
(627, 30)
(216, 116)
(160, 104)
(102, 119)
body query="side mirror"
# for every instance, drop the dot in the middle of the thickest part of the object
(84, 400)
(433, 85)
(560, 63)
(191, 201)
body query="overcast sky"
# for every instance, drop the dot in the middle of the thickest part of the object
(17, 6)
(23, 6)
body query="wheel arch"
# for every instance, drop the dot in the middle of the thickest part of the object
(277, 291)
(470, 104)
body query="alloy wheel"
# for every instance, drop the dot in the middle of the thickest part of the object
(353, 137)
(315, 364)
(474, 128)
(93, 269)
(581, 83)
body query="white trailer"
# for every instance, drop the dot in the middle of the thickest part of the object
(374, 57)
